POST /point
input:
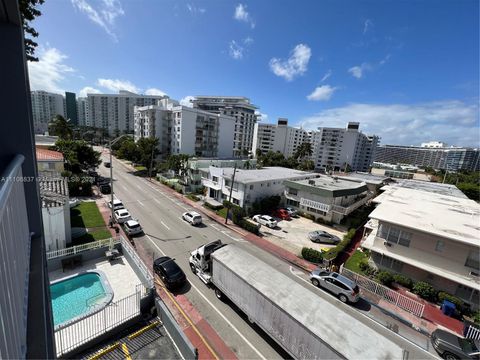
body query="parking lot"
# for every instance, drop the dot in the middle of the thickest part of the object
(292, 235)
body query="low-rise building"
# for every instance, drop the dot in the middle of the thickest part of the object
(429, 237)
(250, 185)
(49, 163)
(327, 197)
(374, 182)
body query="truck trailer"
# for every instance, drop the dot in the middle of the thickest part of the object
(300, 321)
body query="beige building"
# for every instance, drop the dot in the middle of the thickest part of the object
(429, 237)
(49, 163)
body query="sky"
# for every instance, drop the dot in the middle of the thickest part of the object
(408, 71)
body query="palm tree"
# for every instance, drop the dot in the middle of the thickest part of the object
(60, 127)
(303, 151)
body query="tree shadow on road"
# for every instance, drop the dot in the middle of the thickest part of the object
(172, 239)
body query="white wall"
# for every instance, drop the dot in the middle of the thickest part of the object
(226, 136)
(55, 223)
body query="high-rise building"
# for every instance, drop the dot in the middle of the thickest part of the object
(451, 159)
(82, 111)
(114, 112)
(71, 107)
(185, 130)
(434, 144)
(45, 106)
(241, 109)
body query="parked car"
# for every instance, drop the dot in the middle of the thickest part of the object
(117, 204)
(320, 236)
(170, 273)
(107, 164)
(282, 214)
(100, 180)
(292, 212)
(132, 227)
(105, 188)
(347, 290)
(192, 217)
(266, 220)
(122, 215)
(451, 346)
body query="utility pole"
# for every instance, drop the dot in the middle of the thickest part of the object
(231, 190)
(111, 183)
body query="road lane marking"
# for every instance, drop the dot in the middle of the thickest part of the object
(138, 186)
(140, 203)
(164, 225)
(123, 187)
(157, 201)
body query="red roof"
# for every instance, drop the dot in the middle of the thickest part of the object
(48, 155)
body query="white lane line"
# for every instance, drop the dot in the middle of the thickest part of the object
(218, 311)
(138, 186)
(140, 203)
(164, 225)
(231, 237)
(157, 201)
(123, 187)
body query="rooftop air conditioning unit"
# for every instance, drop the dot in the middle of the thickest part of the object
(473, 273)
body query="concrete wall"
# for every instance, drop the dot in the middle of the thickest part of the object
(226, 135)
(54, 228)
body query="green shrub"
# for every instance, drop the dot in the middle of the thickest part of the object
(385, 278)
(212, 207)
(403, 280)
(193, 197)
(476, 318)
(312, 255)
(425, 291)
(449, 297)
(365, 267)
(307, 216)
(341, 246)
(244, 224)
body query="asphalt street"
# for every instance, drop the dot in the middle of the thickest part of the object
(159, 212)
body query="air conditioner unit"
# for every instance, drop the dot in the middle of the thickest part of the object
(473, 273)
(386, 243)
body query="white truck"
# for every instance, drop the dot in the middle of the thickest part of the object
(300, 321)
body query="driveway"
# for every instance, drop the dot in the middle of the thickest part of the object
(292, 235)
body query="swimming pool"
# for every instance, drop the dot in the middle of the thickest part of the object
(79, 295)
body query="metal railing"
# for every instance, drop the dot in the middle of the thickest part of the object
(84, 247)
(403, 302)
(126, 247)
(72, 335)
(472, 332)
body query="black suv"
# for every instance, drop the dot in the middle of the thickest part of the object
(167, 269)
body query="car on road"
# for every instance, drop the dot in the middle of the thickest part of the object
(107, 164)
(117, 204)
(320, 236)
(282, 214)
(132, 227)
(105, 188)
(266, 220)
(192, 217)
(171, 274)
(345, 289)
(122, 215)
(452, 347)
(291, 211)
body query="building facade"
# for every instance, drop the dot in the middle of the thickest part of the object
(49, 163)
(450, 159)
(238, 107)
(430, 237)
(82, 111)
(45, 106)
(71, 108)
(115, 112)
(185, 130)
(434, 144)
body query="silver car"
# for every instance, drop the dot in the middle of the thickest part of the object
(347, 290)
(320, 236)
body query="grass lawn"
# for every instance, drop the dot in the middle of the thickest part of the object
(86, 214)
(354, 261)
(140, 168)
(222, 212)
(92, 236)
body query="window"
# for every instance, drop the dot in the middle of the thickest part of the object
(473, 260)
(440, 245)
(214, 178)
(292, 191)
(251, 187)
(394, 235)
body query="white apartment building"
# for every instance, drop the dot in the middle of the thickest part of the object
(45, 106)
(241, 109)
(428, 236)
(278, 137)
(82, 111)
(434, 144)
(114, 112)
(185, 130)
(250, 185)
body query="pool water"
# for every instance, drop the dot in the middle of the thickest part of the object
(76, 296)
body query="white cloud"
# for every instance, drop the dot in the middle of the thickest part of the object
(186, 101)
(327, 75)
(88, 90)
(103, 15)
(367, 25)
(117, 85)
(241, 14)
(451, 121)
(155, 91)
(195, 10)
(50, 70)
(235, 50)
(295, 65)
(262, 117)
(385, 59)
(322, 93)
(359, 71)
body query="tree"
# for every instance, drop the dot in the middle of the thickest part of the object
(79, 155)
(178, 163)
(60, 127)
(148, 151)
(29, 12)
(303, 151)
(129, 150)
(306, 165)
(247, 165)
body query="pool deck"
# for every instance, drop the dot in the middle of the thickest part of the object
(119, 273)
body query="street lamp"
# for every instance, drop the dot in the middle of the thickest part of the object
(110, 143)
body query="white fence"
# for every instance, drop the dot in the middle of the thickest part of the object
(84, 247)
(472, 333)
(126, 247)
(393, 297)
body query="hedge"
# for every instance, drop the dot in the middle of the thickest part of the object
(425, 291)
(312, 255)
(366, 268)
(442, 295)
(212, 207)
(403, 280)
(193, 197)
(244, 224)
(342, 245)
(385, 278)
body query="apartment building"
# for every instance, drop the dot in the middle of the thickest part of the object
(429, 237)
(45, 106)
(82, 111)
(115, 112)
(49, 163)
(241, 109)
(250, 185)
(442, 158)
(434, 144)
(278, 137)
(185, 130)
(71, 108)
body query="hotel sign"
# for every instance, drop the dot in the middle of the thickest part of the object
(315, 204)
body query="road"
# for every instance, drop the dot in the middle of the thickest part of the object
(159, 213)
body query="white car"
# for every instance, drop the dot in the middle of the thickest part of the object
(117, 204)
(132, 227)
(266, 220)
(192, 217)
(122, 215)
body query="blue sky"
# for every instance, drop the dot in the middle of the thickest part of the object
(408, 71)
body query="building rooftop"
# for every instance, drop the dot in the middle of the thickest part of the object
(48, 155)
(329, 186)
(53, 192)
(446, 216)
(266, 173)
(45, 140)
(365, 177)
(432, 187)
